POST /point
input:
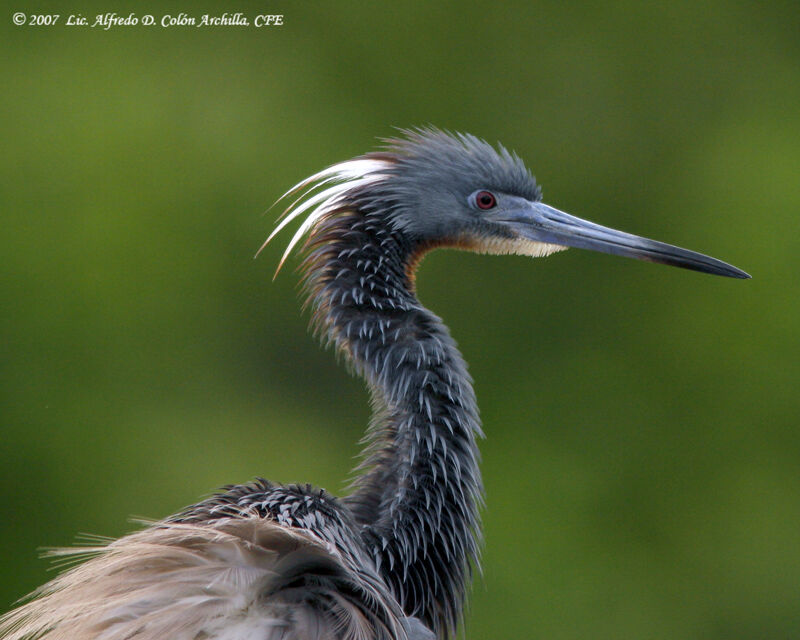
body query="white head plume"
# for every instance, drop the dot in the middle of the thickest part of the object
(346, 176)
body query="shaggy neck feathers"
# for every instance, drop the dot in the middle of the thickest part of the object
(418, 490)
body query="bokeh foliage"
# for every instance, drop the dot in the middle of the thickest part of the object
(642, 460)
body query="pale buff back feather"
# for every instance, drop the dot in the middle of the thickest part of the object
(241, 578)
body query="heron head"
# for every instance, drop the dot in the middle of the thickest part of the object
(443, 189)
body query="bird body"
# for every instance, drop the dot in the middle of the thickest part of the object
(259, 562)
(393, 559)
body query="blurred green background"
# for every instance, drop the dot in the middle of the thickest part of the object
(642, 459)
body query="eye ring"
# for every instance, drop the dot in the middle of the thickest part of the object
(484, 200)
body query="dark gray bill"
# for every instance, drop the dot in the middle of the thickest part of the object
(543, 223)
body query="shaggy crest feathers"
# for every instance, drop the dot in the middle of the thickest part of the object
(450, 158)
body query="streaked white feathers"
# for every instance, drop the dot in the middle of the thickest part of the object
(348, 175)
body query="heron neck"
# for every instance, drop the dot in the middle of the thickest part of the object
(418, 489)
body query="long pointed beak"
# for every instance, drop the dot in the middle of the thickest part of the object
(542, 223)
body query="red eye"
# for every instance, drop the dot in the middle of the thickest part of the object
(485, 200)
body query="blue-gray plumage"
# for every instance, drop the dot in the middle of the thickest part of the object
(393, 558)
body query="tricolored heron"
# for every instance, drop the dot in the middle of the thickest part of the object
(392, 559)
